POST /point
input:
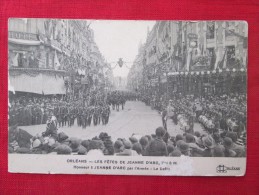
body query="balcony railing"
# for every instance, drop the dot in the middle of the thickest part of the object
(36, 70)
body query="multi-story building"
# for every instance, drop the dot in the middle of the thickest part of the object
(53, 53)
(197, 57)
(136, 76)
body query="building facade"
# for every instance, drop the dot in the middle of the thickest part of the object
(195, 57)
(55, 49)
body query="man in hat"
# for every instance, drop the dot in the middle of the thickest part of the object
(20, 136)
(184, 148)
(84, 119)
(95, 148)
(157, 146)
(51, 129)
(209, 144)
(231, 145)
(79, 116)
(164, 118)
(90, 112)
(95, 116)
(127, 149)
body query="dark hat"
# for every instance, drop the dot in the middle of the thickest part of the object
(118, 144)
(85, 143)
(62, 137)
(206, 141)
(127, 144)
(189, 138)
(63, 149)
(95, 145)
(137, 147)
(143, 141)
(109, 149)
(133, 139)
(227, 142)
(218, 151)
(170, 148)
(176, 153)
(160, 131)
(197, 133)
(74, 144)
(104, 135)
(178, 137)
(232, 135)
(184, 147)
(82, 150)
(179, 142)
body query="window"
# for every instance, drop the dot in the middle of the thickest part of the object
(230, 28)
(212, 57)
(231, 55)
(210, 33)
(47, 60)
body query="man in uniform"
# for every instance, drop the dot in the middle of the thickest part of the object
(79, 116)
(63, 115)
(83, 117)
(170, 110)
(99, 111)
(95, 115)
(123, 101)
(103, 114)
(90, 114)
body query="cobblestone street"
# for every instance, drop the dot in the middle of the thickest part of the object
(135, 118)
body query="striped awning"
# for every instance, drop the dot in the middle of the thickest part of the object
(40, 84)
(24, 42)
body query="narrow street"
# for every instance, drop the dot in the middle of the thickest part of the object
(136, 118)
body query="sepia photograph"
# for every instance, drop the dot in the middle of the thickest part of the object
(127, 95)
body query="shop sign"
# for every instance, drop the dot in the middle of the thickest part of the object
(22, 35)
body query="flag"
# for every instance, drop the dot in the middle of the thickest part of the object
(222, 62)
(189, 58)
(217, 60)
(225, 60)
(15, 60)
(56, 62)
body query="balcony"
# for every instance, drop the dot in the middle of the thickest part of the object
(20, 70)
(22, 35)
(22, 38)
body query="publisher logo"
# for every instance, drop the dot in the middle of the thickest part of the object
(225, 169)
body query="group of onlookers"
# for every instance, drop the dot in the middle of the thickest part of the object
(219, 144)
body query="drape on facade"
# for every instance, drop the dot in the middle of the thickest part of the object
(40, 84)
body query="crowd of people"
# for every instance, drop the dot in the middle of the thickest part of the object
(36, 110)
(227, 113)
(222, 117)
(118, 98)
(94, 109)
(160, 143)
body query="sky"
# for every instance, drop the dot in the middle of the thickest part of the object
(120, 39)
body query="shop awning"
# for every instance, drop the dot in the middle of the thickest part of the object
(40, 84)
(24, 42)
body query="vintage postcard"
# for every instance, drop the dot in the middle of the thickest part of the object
(127, 97)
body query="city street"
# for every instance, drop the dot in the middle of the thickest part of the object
(135, 118)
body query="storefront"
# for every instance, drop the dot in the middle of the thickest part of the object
(47, 82)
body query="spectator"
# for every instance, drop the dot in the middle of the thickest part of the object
(157, 147)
